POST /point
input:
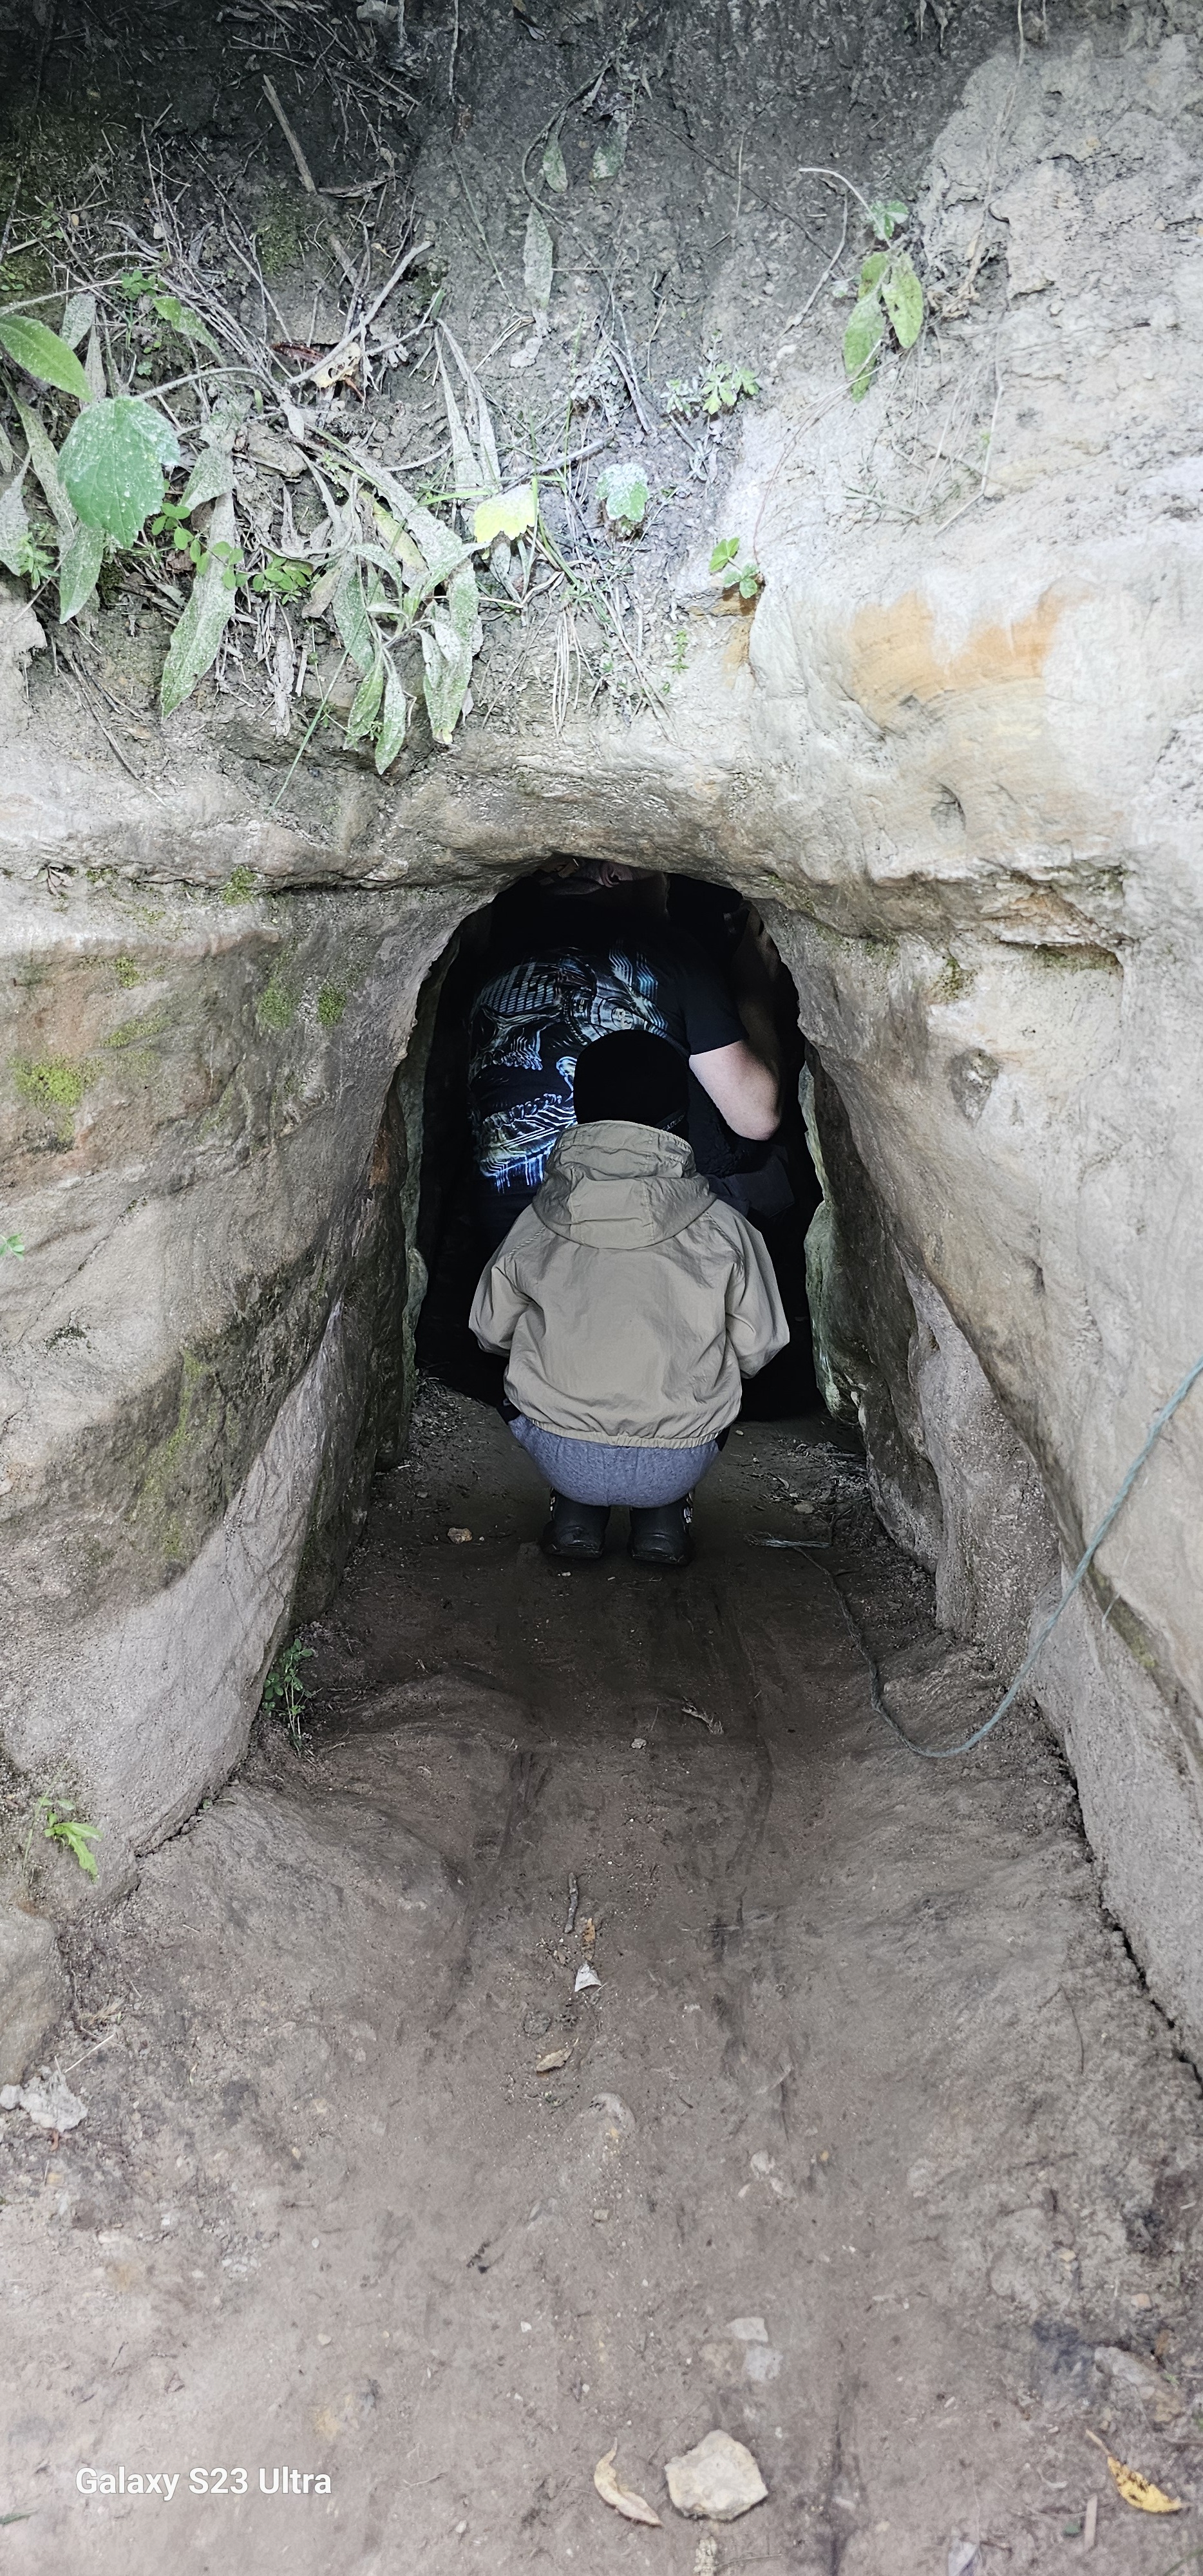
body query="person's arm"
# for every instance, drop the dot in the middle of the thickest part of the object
(757, 1327)
(742, 1087)
(497, 1308)
(744, 1080)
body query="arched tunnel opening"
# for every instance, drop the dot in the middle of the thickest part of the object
(774, 1179)
(583, 2058)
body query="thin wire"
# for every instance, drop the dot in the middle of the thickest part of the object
(948, 1752)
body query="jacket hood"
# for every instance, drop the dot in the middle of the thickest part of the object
(621, 1187)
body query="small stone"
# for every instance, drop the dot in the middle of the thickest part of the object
(717, 2480)
(33, 1988)
(460, 1537)
(748, 2329)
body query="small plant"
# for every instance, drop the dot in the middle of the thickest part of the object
(285, 1691)
(889, 292)
(624, 496)
(746, 578)
(723, 385)
(11, 1243)
(282, 578)
(60, 1824)
(717, 390)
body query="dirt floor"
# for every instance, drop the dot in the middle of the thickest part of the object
(868, 2148)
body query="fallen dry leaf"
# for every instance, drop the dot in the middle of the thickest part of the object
(1135, 2489)
(589, 1937)
(632, 2506)
(553, 2061)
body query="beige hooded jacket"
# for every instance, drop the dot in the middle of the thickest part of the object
(630, 1301)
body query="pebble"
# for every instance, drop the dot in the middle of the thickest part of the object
(718, 2479)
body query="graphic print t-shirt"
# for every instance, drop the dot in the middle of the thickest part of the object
(580, 975)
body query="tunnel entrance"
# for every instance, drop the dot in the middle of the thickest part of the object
(774, 1184)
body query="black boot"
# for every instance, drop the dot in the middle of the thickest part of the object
(661, 1536)
(575, 1530)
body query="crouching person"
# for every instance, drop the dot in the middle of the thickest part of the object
(630, 1303)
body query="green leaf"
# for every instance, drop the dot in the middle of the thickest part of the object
(365, 705)
(352, 620)
(725, 552)
(212, 474)
(862, 339)
(206, 614)
(43, 354)
(112, 462)
(14, 524)
(394, 721)
(553, 166)
(538, 262)
(78, 1838)
(79, 313)
(623, 492)
(79, 571)
(45, 465)
(181, 318)
(886, 215)
(450, 643)
(512, 514)
(873, 270)
(903, 297)
(610, 155)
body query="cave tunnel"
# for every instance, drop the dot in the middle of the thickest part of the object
(540, 2061)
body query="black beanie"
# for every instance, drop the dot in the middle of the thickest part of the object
(633, 1076)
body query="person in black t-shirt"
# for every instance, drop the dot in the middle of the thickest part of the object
(594, 954)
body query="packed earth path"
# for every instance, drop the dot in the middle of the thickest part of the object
(867, 2148)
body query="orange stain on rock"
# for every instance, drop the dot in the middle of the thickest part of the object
(896, 659)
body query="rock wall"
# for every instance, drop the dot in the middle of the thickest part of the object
(955, 754)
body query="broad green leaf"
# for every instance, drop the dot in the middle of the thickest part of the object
(512, 514)
(610, 155)
(623, 492)
(365, 705)
(45, 465)
(79, 314)
(903, 299)
(14, 524)
(112, 462)
(394, 721)
(78, 572)
(212, 474)
(538, 262)
(399, 540)
(352, 620)
(873, 270)
(862, 339)
(886, 215)
(553, 166)
(43, 354)
(207, 611)
(725, 552)
(450, 643)
(181, 318)
(94, 367)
